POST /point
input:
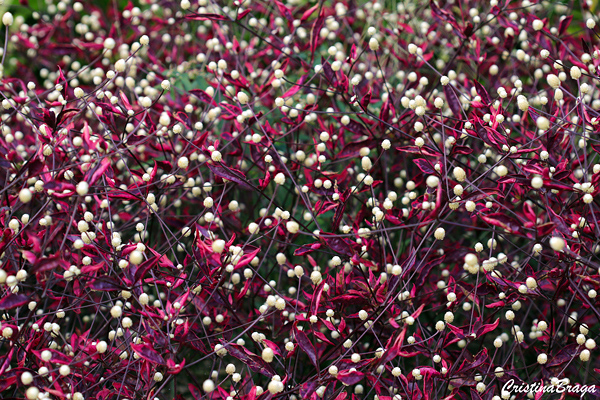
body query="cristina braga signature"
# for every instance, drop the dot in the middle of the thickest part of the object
(560, 387)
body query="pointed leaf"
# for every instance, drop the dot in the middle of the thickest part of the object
(306, 345)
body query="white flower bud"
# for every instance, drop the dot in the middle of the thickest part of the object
(25, 195)
(537, 182)
(120, 65)
(26, 378)
(292, 226)
(459, 174)
(8, 19)
(543, 123)
(553, 81)
(373, 44)
(82, 188)
(279, 178)
(557, 243)
(590, 23)
(109, 43)
(101, 347)
(267, 354)
(432, 181)
(243, 98)
(208, 386)
(64, 370)
(216, 156)
(136, 257)
(440, 233)
(116, 311)
(32, 393)
(218, 246)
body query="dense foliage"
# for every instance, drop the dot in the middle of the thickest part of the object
(313, 199)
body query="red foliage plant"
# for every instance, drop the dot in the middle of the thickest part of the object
(266, 200)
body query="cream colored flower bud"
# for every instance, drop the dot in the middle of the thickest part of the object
(440, 233)
(459, 174)
(374, 44)
(557, 243)
(553, 81)
(543, 123)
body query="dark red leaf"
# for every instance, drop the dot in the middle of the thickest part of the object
(314, 34)
(503, 221)
(483, 93)
(295, 88)
(564, 24)
(338, 244)
(306, 248)
(425, 166)
(350, 377)
(461, 150)
(487, 328)
(99, 171)
(306, 345)
(146, 351)
(13, 301)
(284, 11)
(144, 267)
(308, 388)
(316, 299)
(202, 17)
(254, 362)
(49, 263)
(453, 101)
(230, 174)
(203, 96)
(105, 284)
(309, 12)
(243, 14)
(545, 229)
(565, 354)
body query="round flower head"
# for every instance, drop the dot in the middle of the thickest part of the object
(7, 19)
(373, 44)
(543, 123)
(208, 386)
(440, 233)
(557, 243)
(590, 23)
(537, 182)
(243, 98)
(109, 43)
(25, 195)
